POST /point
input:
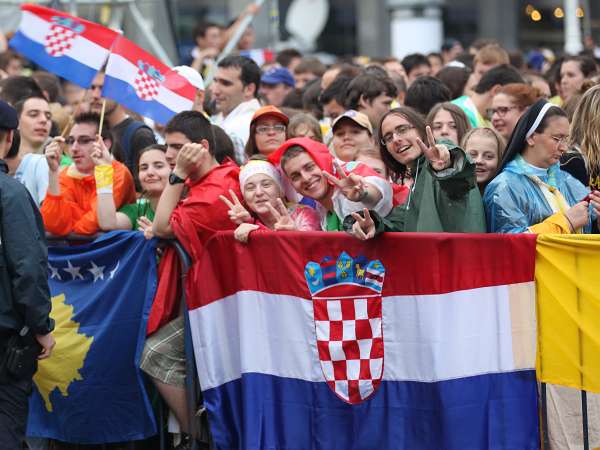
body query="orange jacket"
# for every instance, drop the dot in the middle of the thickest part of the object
(74, 210)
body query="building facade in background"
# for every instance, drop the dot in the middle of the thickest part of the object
(398, 27)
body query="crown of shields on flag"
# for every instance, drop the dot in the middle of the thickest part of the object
(147, 81)
(346, 296)
(59, 39)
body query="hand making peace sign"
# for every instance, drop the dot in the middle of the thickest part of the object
(237, 213)
(352, 186)
(437, 154)
(283, 220)
(363, 228)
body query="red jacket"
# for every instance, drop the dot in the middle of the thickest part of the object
(194, 221)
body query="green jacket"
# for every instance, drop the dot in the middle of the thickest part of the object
(445, 201)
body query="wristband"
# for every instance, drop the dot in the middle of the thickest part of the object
(104, 179)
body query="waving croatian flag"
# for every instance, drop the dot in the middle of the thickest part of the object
(73, 48)
(415, 341)
(139, 81)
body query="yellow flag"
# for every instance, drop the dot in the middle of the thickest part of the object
(568, 310)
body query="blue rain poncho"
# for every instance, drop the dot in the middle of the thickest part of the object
(513, 202)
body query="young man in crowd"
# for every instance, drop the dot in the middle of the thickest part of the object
(338, 190)
(276, 84)
(477, 102)
(288, 58)
(70, 203)
(415, 65)
(308, 69)
(372, 96)
(25, 160)
(193, 220)
(234, 92)
(486, 59)
(208, 37)
(24, 294)
(35, 121)
(11, 64)
(333, 97)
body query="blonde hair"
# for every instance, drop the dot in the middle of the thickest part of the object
(585, 128)
(491, 54)
(304, 120)
(489, 132)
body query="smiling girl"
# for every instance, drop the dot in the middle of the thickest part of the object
(153, 173)
(485, 147)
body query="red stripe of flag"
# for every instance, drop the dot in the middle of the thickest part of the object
(438, 263)
(172, 80)
(94, 32)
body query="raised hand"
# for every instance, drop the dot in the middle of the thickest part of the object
(363, 228)
(352, 186)
(243, 231)
(188, 158)
(252, 8)
(100, 154)
(283, 221)
(237, 213)
(437, 154)
(53, 153)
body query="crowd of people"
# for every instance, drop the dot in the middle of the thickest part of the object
(472, 141)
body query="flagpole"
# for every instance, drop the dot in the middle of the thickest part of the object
(102, 116)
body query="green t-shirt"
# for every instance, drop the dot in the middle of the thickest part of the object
(65, 160)
(136, 210)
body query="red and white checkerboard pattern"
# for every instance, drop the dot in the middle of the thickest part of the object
(58, 40)
(145, 86)
(350, 345)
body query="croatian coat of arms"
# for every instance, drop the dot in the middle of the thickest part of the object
(346, 295)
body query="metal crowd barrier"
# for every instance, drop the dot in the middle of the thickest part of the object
(197, 415)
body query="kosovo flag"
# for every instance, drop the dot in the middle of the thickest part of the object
(90, 390)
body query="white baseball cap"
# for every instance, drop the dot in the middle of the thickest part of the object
(191, 75)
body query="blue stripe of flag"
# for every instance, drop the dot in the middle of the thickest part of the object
(493, 412)
(63, 66)
(125, 94)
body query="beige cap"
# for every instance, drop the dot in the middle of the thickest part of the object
(357, 117)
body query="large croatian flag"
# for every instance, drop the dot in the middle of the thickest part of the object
(412, 341)
(139, 81)
(73, 48)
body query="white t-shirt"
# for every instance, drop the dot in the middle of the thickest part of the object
(33, 173)
(237, 125)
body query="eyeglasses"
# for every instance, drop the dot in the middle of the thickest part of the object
(81, 140)
(564, 140)
(500, 110)
(264, 129)
(399, 131)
